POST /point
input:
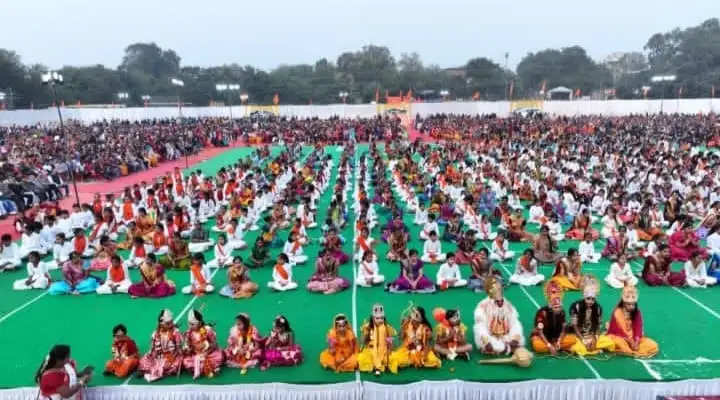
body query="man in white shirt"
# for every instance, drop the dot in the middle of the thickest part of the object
(448, 274)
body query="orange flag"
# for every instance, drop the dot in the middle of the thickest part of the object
(476, 95)
(276, 99)
(409, 94)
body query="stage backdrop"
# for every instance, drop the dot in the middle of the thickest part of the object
(501, 108)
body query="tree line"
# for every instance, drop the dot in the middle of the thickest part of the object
(368, 74)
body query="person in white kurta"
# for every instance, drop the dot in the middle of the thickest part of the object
(621, 274)
(368, 273)
(428, 228)
(10, 254)
(587, 251)
(448, 274)
(499, 249)
(484, 231)
(293, 248)
(235, 236)
(282, 275)
(204, 270)
(537, 214)
(118, 278)
(37, 274)
(30, 241)
(432, 250)
(421, 215)
(222, 253)
(526, 273)
(497, 328)
(696, 274)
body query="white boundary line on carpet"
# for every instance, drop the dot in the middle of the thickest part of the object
(535, 303)
(354, 262)
(698, 302)
(655, 374)
(177, 318)
(650, 370)
(21, 307)
(699, 360)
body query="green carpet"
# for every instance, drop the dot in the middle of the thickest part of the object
(684, 329)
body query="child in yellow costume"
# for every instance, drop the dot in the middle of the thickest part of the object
(416, 349)
(585, 320)
(342, 352)
(377, 342)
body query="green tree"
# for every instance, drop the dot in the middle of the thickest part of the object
(570, 67)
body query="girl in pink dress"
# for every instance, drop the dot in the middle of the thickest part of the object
(280, 347)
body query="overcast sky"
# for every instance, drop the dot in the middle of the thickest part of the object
(269, 33)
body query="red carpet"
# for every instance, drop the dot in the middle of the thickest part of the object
(87, 190)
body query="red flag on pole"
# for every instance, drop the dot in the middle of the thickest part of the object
(476, 95)
(409, 94)
(276, 99)
(377, 95)
(578, 92)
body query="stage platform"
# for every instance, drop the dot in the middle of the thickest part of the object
(684, 322)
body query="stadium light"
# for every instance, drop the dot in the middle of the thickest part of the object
(176, 82)
(228, 89)
(146, 99)
(123, 95)
(2, 95)
(244, 98)
(663, 78)
(444, 93)
(54, 78)
(343, 95)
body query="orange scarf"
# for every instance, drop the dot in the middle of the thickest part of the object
(179, 222)
(363, 244)
(139, 251)
(296, 246)
(128, 212)
(280, 269)
(499, 244)
(80, 244)
(117, 274)
(159, 240)
(200, 281)
(96, 229)
(525, 263)
(97, 206)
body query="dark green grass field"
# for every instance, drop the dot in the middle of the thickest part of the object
(684, 322)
